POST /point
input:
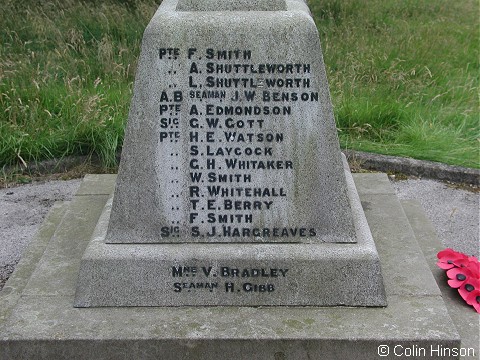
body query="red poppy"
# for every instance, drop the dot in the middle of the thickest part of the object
(474, 266)
(458, 276)
(449, 258)
(468, 286)
(474, 299)
(463, 273)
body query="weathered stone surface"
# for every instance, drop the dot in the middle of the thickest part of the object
(231, 131)
(231, 147)
(230, 136)
(231, 5)
(247, 274)
(43, 324)
(414, 167)
(10, 294)
(465, 319)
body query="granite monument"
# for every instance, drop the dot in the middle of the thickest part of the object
(232, 189)
(234, 227)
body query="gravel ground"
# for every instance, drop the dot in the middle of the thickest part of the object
(22, 210)
(453, 211)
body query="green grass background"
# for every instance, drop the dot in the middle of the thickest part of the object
(404, 76)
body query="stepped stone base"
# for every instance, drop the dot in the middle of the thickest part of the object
(38, 319)
(245, 274)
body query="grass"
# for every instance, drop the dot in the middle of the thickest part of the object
(404, 76)
(66, 73)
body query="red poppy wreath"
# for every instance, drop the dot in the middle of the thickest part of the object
(463, 273)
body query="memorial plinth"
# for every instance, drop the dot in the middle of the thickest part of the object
(38, 320)
(231, 136)
(232, 197)
(232, 189)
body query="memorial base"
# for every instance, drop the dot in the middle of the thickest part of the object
(240, 274)
(38, 319)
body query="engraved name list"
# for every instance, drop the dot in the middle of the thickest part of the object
(228, 113)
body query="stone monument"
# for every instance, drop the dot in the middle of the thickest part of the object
(232, 189)
(234, 227)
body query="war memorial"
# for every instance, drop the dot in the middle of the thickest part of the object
(234, 227)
